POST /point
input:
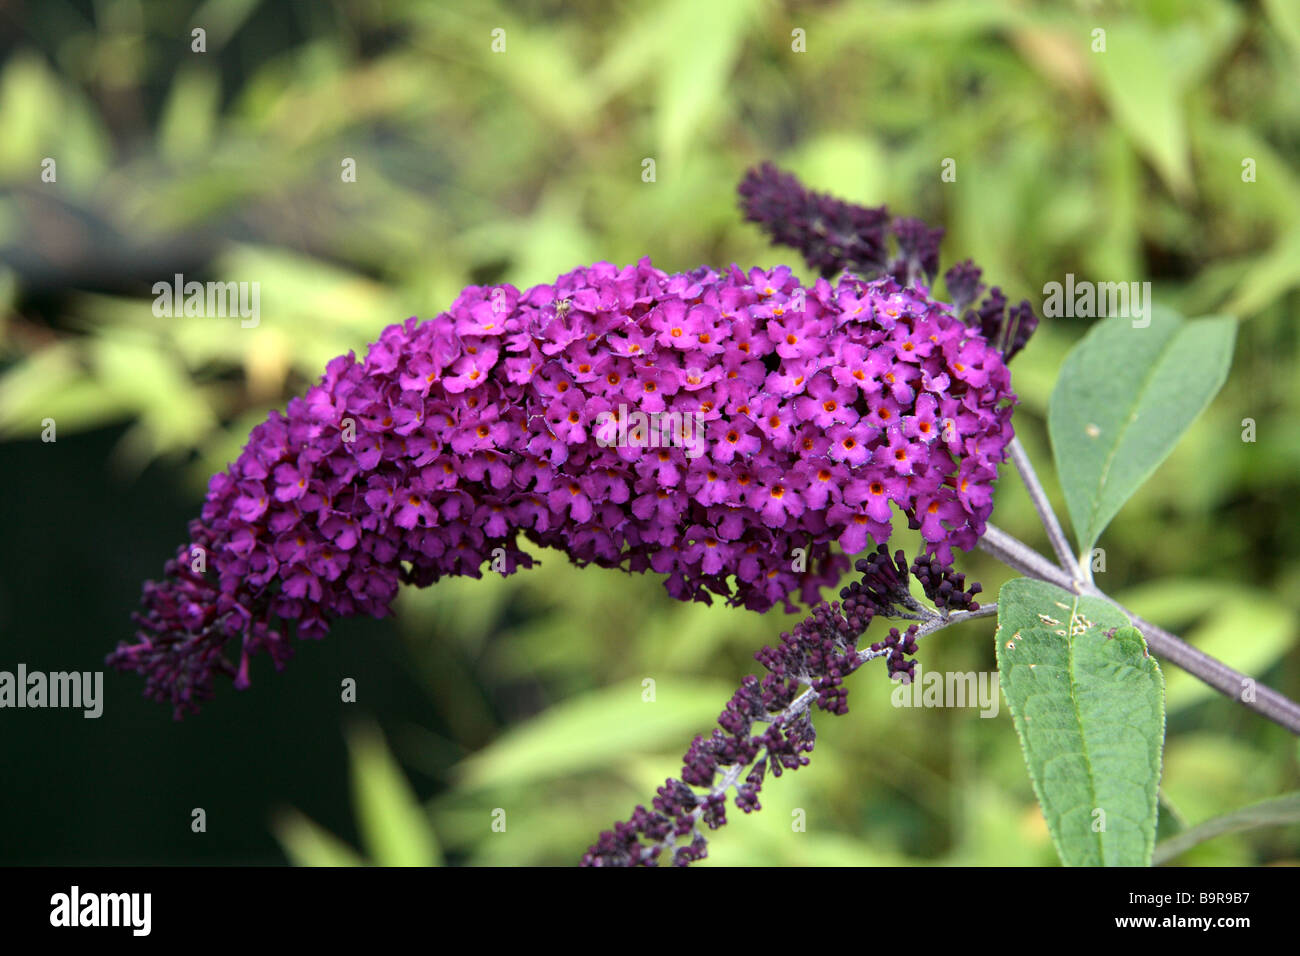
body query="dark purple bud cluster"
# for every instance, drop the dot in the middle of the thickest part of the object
(831, 235)
(1016, 330)
(964, 286)
(883, 588)
(945, 587)
(813, 659)
(808, 665)
(899, 647)
(1007, 330)
(835, 236)
(918, 251)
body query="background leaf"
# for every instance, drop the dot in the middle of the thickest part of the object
(1144, 74)
(582, 734)
(307, 843)
(393, 824)
(1278, 811)
(1087, 702)
(1124, 397)
(701, 44)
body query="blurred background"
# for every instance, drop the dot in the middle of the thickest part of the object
(524, 695)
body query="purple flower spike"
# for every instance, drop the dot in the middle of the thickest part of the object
(831, 235)
(918, 251)
(806, 669)
(722, 429)
(835, 236)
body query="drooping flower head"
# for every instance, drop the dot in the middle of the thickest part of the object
(723, 429)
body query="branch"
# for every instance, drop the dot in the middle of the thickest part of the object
(1263, 700)
(935, 622)
(1019, 556)
(1045, 513)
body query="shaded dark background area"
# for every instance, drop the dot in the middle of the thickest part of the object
(120, 788)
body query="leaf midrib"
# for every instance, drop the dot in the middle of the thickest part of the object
(1078, 719)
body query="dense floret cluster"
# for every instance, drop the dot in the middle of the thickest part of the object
(723, 429)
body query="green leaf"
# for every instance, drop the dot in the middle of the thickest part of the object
(307, 843)
(51, 383)
(1285, 18)
(394, 827)
(223, 17)
(1275, 812)
(190, 115)
(1088, 704)
(1124, 398)
(1144, 77)
(695, 68)
(1271, 275)
(30, 96)
(587, 731)
(1145, 94)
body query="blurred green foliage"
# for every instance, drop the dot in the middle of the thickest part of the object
(475, 166)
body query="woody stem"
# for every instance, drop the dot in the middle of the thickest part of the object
(1045, 512)
(1263, 700)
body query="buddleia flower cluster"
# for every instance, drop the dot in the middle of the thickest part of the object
(773, 420)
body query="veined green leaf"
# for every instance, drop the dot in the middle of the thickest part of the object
(1125, 396)
(1088, 704)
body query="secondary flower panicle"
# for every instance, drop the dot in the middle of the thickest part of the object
(835, 236)
(831, 235)
(807, 667)
(822, 407)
